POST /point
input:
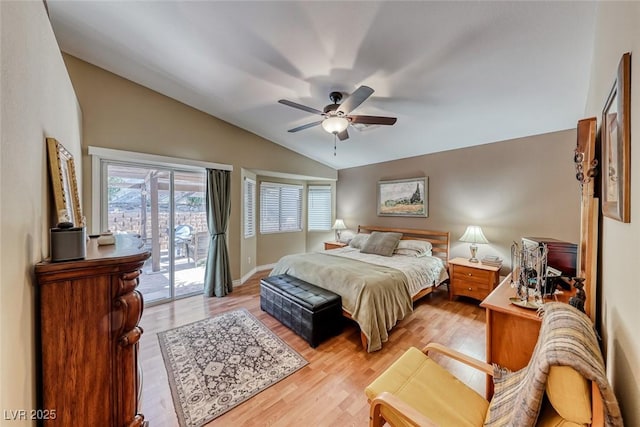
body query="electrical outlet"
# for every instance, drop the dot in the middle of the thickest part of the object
(248, 260)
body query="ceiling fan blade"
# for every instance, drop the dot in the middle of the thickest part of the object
(300, 106)
(343, 135)
(307, 126)
(373, 120)
(355, 99)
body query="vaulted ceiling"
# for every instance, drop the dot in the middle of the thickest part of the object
(454, 73)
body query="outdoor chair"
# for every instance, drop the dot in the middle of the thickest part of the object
(183, 234)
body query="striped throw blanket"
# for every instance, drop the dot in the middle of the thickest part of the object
(567, 338)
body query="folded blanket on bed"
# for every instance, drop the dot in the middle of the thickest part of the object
(567, 338)
(375, 296)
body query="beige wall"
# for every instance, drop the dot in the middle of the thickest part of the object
(120, 114)
(618, 31)
(37, 101)
(521, 187)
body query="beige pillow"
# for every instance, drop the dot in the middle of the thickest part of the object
(569, 394)
(380, 243)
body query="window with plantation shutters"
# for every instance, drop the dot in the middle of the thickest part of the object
(280, 207)
(319, 208)
(249, 208)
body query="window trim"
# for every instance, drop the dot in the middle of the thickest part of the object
(249, 181)
(98, 154)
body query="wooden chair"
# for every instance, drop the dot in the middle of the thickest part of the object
(416, 391)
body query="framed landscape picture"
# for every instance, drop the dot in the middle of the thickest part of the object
(616, 146)
(403, 197)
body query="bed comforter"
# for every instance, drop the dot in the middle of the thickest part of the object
(375, 294)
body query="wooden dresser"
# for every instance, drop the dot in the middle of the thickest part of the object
(89, 314)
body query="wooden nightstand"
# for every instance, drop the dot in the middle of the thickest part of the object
(471, 279)
(333, 245)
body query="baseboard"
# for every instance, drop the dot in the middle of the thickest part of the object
(251, 272)
(265, 267)
(247, 276)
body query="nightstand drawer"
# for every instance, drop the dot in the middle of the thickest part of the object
(469, 289)
(467, 274)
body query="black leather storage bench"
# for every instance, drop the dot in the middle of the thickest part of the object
(310, 311)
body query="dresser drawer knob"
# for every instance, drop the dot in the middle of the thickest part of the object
(470, 289)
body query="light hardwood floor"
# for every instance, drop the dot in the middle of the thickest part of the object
(329, 391)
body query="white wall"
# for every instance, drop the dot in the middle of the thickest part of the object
(618, 31)
(37, 101)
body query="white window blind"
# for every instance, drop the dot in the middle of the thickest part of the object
(249, 208)
(280, 207)
(319, 207)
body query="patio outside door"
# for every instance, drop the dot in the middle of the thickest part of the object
(166, 207)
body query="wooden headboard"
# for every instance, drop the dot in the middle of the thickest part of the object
(439, 239)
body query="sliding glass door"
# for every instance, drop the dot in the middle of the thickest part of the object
(166, 208)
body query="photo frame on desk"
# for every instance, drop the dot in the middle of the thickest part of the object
(616, 146)
(64, 183)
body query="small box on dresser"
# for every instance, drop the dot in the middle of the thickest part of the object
(471, 279)
(89, 312)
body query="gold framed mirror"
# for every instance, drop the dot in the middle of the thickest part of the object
(65, 186)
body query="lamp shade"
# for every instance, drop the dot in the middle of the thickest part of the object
(473, 234)
(339, 225)
(335, 124)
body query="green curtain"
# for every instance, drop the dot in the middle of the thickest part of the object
(217, 276)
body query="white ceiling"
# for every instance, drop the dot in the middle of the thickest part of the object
(455, 74)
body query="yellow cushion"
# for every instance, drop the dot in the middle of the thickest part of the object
(570, 394)
(550, 418)
(430, 389)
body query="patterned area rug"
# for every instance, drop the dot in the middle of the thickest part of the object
(217, 363)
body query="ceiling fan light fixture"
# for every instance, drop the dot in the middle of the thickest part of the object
(335, 124)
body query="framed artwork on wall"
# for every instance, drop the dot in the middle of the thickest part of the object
(64, 183)
(403, 197)
(616, 145)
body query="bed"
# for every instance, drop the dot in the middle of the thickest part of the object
(377, 291)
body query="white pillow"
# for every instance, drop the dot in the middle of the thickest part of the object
(416, 248)
(359, 240)
(346, 236)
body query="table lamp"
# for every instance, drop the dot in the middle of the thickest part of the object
(473, 234)
(338, 225)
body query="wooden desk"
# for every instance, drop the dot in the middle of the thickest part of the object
(512, 331)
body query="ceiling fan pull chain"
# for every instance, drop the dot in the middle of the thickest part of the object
(335, 137)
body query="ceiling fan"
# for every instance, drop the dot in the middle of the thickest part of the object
(336, 118)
